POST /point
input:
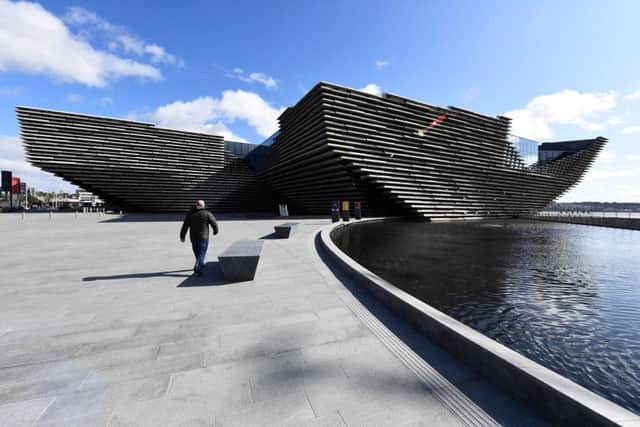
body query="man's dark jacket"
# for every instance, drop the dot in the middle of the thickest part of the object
(198, 222)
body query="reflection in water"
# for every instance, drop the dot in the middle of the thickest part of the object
(566, 296)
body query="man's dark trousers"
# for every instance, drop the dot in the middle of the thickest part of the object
(197, 222)
(200, 252)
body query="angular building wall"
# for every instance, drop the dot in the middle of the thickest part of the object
(394, 154)
(306, 173)
(138, 166)
(397, 154)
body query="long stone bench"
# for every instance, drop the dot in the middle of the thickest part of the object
(240, 260)
(284, 231)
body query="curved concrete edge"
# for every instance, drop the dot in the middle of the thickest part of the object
(559, 399)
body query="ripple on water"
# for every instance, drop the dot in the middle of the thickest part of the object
(566, 296)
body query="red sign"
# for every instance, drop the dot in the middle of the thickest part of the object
(441, 118)
(15, 185)
(437, 121)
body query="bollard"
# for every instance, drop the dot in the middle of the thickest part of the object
(345, 210)
(75, 214)
(23, 215)
(50, 215)
(120, 213)
(283, 209)
(335, 211)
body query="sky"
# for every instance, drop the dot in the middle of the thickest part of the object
(561, 70)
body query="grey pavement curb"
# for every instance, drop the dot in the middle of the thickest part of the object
(559, 399)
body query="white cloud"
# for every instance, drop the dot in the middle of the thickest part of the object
(593, 126)
(35, 41)
(251, 78)
(74, 97)
(611, 179)
(605, 189)
(213, 115)
(105, 100)
(633, 95)
(10, 91)
(252, 108)
(199, 115)
(624, 173)
(471, 93)
(81, 16)
(372, 89)
(630, 130)
(12, 159)
(380, 64)
(607, 156)
(119, 37)
(564, 107)
(10, 148)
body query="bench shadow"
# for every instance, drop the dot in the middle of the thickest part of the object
(140, 217)
(270, 236)
(211, 276)
(172, 273)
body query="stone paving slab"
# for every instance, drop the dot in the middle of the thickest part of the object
(25, 412)
(102, 324)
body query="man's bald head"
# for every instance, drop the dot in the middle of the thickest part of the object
(200, 203)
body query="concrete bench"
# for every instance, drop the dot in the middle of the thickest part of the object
(284, 231)
(240, 260)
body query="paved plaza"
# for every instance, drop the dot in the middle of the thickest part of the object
(101, 323)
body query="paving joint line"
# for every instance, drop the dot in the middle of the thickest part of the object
(168, 390)
(43, 411)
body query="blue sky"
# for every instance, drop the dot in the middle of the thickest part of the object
(562, 70)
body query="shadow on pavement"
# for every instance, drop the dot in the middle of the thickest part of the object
(145, 218)
(269, 236)
(172, 273)
(179, 217)
(211, 276)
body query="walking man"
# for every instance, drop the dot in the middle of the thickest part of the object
(198, 221)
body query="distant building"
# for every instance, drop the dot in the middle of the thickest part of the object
(88, 199)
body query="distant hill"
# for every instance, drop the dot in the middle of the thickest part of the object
(595, 207)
